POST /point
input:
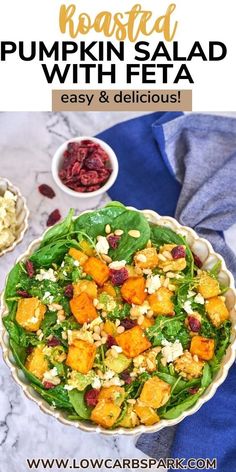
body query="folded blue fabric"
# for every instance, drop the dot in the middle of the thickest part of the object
(185, 166)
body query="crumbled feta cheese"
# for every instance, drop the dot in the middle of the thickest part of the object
(95, 322)
(116, 265)
(51, 376)
(47, 296)
(187, 307)
(137, 310)
(117, 349)
(102, 246)
(191, 293)
(68, 387)
(171, 351)
(46, 275)
(153, 283)
(75, 263)
(199, 299)
(96, 382)
(109, 374)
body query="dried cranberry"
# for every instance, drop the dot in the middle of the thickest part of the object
(54, 217)
(178, 252)
(125, 375)
(111, 341)
(48, 385)
(193, 390)
(53, 342)
(91, 397)
(46, 190)
(92, 188)
(113, 241)
(194, 324)
(29, 350)
(94, 162)
(118, 277)
(88, 177)
(23, 294)
(197, 261)
(30, 268)
(68, 291)
(127, 323)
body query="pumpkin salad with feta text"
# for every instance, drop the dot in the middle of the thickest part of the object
(114, 320)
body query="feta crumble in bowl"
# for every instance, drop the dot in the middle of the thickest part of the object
(135, 336)
(14, 216)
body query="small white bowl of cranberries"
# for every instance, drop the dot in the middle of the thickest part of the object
(85, 167)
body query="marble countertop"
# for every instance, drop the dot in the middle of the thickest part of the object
(27, 143)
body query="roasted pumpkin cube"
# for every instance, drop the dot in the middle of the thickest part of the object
(146, 414)
(133, 290)
(109, 289)
(130, 419)
(208, 286)
(147, 322)
(160, 302)
(78, 255)
(188, 367)
(83, 308)
(105, 413)
(36, 362)
(132, 270)
(216, 311)
(147, 258)
(86, 247)
(81, 355)
(202, 347)
(30, 313)
(97, 269)
(155, 392)
(110, 328)
(133, 341)
(87, 286)
(112, 394)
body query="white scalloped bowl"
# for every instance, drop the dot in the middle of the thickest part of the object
(202, 248)
(22, 213)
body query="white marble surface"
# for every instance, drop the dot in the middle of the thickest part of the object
(27, 143)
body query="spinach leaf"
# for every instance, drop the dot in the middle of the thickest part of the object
(161, 235)
(50, 320)
(79, 405)
(206, 376)
(59, 231)
(18, 334)
(177, 410)
(94, 223)
(20, 354)
(53, 252)
(16, 277)
(57, 396)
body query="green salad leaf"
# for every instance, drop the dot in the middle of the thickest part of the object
(79, 405)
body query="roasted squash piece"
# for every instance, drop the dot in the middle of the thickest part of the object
(30, 313)
(202, 347)
(147, 258)
(109, 289)
(133, 341)
(83, 309)
(146, 414)
(216, 311)
(112, 394)
(37, 363)
(105, 413)
(160, 302)
(81, 355)
(147, 322)
(133, 290)
(87, 286)
(155, 392)
(208, 286)
(130, 419)
(97, 269)
(78, 255)
(86, 248)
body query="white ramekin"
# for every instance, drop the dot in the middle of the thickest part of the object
(202, 248)
(57, 161)
(22, 213)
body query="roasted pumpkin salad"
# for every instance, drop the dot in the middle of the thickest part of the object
(115, 321)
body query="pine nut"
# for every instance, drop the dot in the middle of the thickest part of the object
(161, 257)
(119, 232)
(104, 314)
(166, 283)
(104, 340)
(134, 233)
(97, 329)
(149, 243)
(39, 332)
(168, 255)
(95, 302)
(104, 334)
(140, 319)
(150, 364)
(141, 258)
(96, 337)
(131, 401)
(149, 314)
(64, 335)
(106, 258)
(107, 229)
(120, 329)
(97, 343)
(117, 323)
(171, 287)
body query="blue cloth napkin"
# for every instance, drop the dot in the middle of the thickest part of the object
(185, 166)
